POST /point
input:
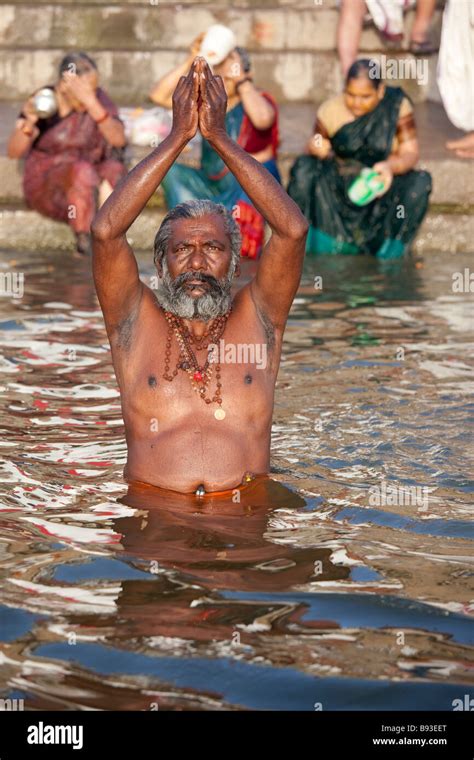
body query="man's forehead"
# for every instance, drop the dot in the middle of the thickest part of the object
(210, 224)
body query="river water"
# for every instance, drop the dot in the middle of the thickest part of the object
(344, 582)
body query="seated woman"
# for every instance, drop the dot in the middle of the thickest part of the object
(252, 120)
(73, 158)
(370, 125)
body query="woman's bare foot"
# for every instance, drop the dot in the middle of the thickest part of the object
(464, 147)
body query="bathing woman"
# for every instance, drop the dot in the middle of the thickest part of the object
(369, 125)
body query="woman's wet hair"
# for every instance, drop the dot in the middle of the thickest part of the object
(245, 58)
(367, 68)
(76, 63)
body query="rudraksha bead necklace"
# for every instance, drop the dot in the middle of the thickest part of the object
(200, 375)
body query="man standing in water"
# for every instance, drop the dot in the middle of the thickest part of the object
(197, 403)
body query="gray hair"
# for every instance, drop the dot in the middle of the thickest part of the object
(194, 210)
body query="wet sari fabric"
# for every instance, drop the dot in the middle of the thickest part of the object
(66, 164)
(387, 226)
(213, 181)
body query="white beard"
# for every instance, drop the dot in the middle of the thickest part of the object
(178, 302)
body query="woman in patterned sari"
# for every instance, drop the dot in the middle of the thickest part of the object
(252, 121)
(73, 158)
(370, 125)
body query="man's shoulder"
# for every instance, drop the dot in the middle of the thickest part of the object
(243, 300)
(150, 306)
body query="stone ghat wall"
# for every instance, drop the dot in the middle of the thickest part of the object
(292, 44)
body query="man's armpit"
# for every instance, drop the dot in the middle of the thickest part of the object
(267, 324)
(125, 328)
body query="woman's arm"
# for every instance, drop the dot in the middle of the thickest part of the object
(112, 128)
(21, 138)
(259, 110)
(408, 153)
(24, 133)
(405, 157)
(162, 92)
(319, 145)
(400, 162)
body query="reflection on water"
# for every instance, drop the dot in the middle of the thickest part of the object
(320, 589)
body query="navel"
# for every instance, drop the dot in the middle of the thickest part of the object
(248, 379)
(152, 381)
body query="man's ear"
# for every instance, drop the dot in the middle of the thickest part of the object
(237, 271)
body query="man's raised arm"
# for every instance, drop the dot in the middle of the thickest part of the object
(279, 270)
(115, 268)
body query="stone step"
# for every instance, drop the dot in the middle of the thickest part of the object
(215, 5)
(128, 76)
(311, 27)
(21, 229)
(293, 47)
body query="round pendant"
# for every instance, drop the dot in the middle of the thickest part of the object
(219, 414)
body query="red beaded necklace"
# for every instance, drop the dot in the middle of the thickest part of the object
(200, 375)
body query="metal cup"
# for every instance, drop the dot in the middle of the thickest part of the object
(45, 103)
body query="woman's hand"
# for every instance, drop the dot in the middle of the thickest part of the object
(29, 111)
(25, 131)
(213, 105)
(384, 170)
(319, 146)
(195, 46)
(79, 89)
(185, 103)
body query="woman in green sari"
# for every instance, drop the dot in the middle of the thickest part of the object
(369, 125)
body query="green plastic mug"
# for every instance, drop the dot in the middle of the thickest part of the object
(366, 187)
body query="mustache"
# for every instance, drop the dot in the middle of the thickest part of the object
(182, 279)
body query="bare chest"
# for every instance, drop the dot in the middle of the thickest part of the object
(237, 375)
